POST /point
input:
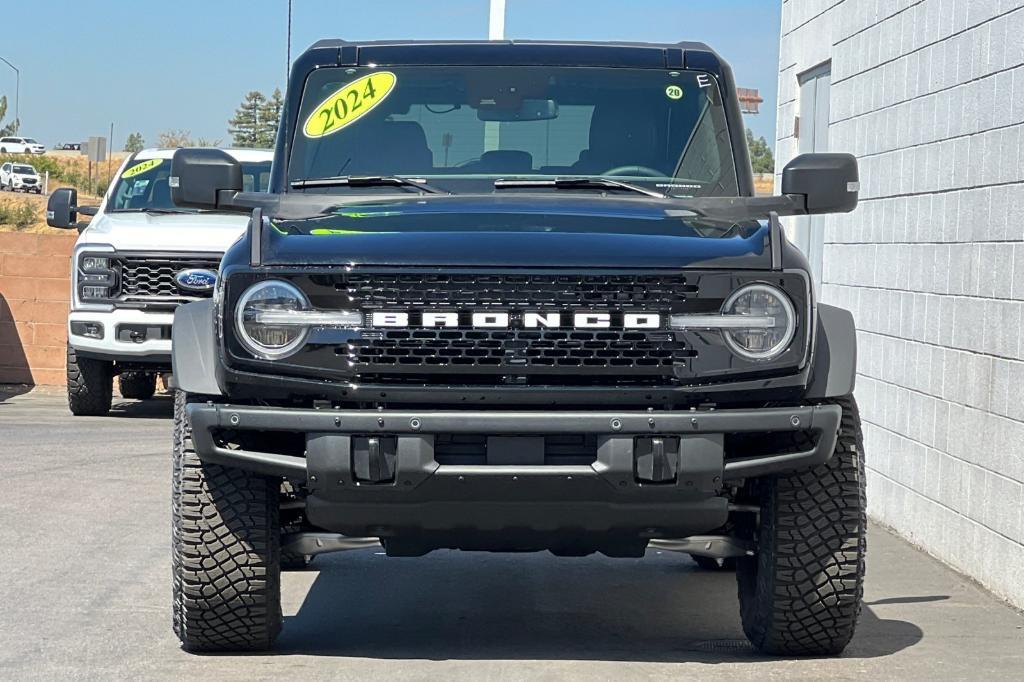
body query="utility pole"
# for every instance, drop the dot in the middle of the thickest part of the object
(495, 31)
(288, 60)
(17, 93)
(110, 149)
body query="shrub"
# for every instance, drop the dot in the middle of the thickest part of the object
(20, 214)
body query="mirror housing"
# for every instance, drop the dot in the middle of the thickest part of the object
(62, 209)
(198, 176)
(528, 110)
(830, 182)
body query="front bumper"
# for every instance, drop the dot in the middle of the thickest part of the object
(606, 496)
(127, 334)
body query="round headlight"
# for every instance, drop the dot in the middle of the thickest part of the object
(270, 341)
(777, 323)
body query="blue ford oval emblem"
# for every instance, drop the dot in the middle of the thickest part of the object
(196, 280)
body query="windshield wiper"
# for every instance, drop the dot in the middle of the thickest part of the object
(367, 181)
(577, 183)
(153, 211)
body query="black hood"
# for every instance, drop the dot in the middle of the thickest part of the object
(524, 230)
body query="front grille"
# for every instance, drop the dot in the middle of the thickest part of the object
(535, 291)
(515, 349)
(561, 351)
(543, 356)
(151, 278)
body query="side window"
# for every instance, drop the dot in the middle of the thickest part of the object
(701, 159)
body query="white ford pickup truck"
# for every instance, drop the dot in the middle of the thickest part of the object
(138, 259)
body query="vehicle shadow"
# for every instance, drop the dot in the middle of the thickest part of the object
(472, 606)
(15, 373)
(159, 406)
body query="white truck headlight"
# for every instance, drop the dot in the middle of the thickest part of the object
(262, 339)
(775, 316)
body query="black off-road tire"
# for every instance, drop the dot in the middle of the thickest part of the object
(90, 385)
(226, 570)
(802, 593)
(137, 385)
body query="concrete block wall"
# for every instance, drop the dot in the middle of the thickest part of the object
(34, 291)
(929, 94)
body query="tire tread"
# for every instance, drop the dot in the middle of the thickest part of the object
(802, 594)
(90, 385)
(226, 551)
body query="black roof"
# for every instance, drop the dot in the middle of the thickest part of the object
(513, 52)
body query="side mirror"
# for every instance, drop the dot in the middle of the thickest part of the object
(198, 176)
(830, 182)
(62, 208)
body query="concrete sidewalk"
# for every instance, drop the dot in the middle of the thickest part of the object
(84, 523)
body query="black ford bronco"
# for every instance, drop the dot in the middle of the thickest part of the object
(516, 296)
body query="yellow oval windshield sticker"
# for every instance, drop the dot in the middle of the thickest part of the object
(674, 92)
(141, 168)
(349, 104)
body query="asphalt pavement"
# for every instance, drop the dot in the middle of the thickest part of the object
(85, 591)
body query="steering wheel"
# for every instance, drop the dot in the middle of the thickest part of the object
(634, 170)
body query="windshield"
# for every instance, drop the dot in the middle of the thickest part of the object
(29, 140)
(143, 186)
(460, 128)
(25, 170)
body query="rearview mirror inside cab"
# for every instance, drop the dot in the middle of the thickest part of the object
(527, 110)
(62, 208)
(830, 182)
(198, 176)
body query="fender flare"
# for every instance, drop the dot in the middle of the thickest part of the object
(835, 354)
(194, 349)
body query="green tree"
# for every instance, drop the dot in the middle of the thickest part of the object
(173, 139)
(134, 143)
(761, 157)
(12, 127)
(270, 117)
(246, 128)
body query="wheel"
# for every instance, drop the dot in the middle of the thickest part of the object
(802, 593)
(225, 537)
(137, 385)
(706, 563)
(90, 385)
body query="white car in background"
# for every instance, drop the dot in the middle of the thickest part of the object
(20, 145)
(138, 259)
(20, 177)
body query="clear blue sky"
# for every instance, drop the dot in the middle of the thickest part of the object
(151, 66)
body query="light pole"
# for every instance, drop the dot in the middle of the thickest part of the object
(17, 92)
(496, 21)
(495, 31)
(288, 59)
